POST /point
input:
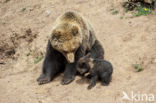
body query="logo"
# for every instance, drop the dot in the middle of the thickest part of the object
(138, 96)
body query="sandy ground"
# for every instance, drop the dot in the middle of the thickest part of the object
(25, 26)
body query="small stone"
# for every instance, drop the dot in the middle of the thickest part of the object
(48, 12)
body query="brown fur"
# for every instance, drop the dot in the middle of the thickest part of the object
(72, 37)
(71, 31)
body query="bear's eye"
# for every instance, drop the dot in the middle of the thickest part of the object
(65, 52)
(56, 36)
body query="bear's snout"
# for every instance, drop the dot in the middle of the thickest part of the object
(70, 57)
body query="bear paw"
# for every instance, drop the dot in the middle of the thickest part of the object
(90, 87)
(104, 84)
(67, 80)
(43, 79)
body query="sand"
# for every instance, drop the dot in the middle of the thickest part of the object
(25, 26)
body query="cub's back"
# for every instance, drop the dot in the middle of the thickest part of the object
(103, 65)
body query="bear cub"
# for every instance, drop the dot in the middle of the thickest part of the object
(98, 69)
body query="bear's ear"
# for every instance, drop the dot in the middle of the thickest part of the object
(88, 55)
(74, 30)
(56, 34)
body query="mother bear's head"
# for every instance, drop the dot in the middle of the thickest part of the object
(66, 38)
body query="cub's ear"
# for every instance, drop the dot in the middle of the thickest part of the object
(74, 30)
(88, 55)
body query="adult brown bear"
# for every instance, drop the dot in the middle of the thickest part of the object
(72, 37)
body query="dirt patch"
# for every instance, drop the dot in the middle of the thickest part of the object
(25, 28)
(7, 48)
(8, 45)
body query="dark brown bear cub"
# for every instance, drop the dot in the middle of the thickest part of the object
(97, 68)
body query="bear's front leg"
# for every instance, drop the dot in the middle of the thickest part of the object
(93, 82)
(70, 69)
(50, 69)
(53, 64)
(69, 73)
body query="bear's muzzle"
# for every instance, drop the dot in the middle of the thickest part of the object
(70, 57)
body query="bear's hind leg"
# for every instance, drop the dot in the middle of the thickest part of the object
(105, 78)
(97, 50)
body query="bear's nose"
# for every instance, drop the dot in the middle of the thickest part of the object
(70, 57)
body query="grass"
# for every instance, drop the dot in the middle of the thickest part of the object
(142, 11)
(138, 8)
(3, 22)
(115, 12)
(23, 9)
(27, 54)
(121, 17)
(7, 1)
(138, 67)
(38, 60)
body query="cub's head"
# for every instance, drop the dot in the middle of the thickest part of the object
(66, 38)
(85, 64)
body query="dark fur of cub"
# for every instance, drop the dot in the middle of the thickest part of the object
(98, 69)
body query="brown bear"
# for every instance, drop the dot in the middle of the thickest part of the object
(71, 38)
(97, 69)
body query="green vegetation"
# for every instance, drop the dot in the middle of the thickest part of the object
(27, 54)
(121, 17)
(3, 22)
(138, 67)
(142, 11)
(139, 8)
(38, 60)
(23, 9)
(115, 12)
(7, 1)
